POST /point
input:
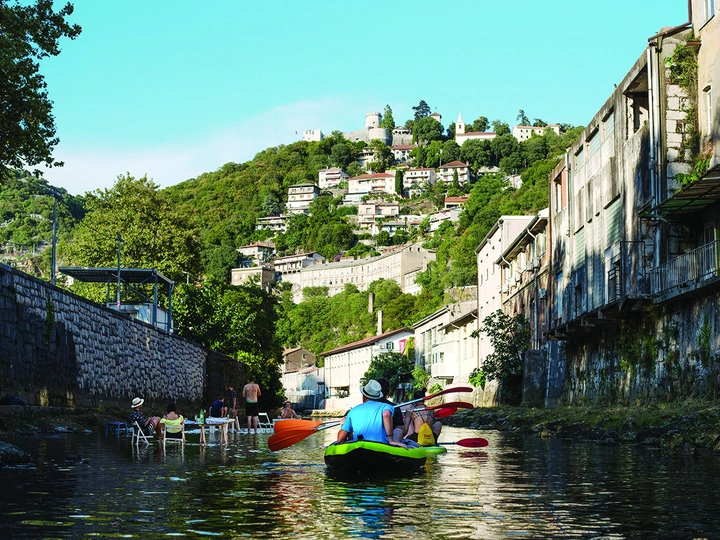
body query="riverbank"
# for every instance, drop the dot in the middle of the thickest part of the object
(684, 426)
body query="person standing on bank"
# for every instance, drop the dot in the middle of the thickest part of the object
(233, 407)
(251, 393)
(371, 420)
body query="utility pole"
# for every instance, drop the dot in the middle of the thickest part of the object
(54, 192)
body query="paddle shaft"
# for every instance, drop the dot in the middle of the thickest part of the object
(436, 394)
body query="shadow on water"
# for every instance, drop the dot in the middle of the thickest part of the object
(87, 486)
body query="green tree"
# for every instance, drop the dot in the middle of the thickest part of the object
(342, 155)
(477, 153)
(522, 119)
(154, 234)
(399, 182)
(383, 155)
(510, 338)
(450, 132)
(421, 110)
(238, 321)
(500, 127)
(480, 124)
(28, 33)
(427, 129)
(450, 151)
(395, 367)
(388, 122)
(383, 238)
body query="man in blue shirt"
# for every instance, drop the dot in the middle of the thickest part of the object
(370, 421)
(218, 408)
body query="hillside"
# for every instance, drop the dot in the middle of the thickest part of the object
(216, 212)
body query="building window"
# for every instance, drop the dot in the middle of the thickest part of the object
(709, 9)
(708, 108)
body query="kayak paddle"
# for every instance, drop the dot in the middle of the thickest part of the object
(287, 438)
(478, 442)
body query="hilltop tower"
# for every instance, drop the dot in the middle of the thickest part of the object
(459, 125)
(372, 120)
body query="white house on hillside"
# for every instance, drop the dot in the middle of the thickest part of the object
(330, 178)
(346, 365)
(300, 196)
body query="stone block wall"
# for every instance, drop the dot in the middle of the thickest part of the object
(59, 349)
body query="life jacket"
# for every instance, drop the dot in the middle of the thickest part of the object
(426, 437)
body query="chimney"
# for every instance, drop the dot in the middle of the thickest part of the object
(371, 301)
(379, 330)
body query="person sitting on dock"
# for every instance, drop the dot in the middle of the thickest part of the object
(218, 408)
(288, 412)
(146, 424)
(371, 420)
(171, 422)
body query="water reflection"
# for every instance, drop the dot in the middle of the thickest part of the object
(84, 485)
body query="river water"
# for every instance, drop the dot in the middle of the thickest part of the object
(84, 485)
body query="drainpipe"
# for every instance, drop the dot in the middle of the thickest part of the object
(654, 113)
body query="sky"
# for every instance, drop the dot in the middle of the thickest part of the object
(175, 88)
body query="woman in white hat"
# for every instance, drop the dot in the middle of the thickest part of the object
(370, 421)
(137, 416)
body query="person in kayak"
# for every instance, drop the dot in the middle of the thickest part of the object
(371, 420)
(398, 420)
(419, 416)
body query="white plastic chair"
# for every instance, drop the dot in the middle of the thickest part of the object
(174, 440)
(264, 422)
(139, 434)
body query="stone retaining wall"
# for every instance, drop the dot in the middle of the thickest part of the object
(59, 349)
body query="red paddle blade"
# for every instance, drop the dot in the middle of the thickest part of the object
(444, 412)
(478, 442)
(278, 441)
(456, 404)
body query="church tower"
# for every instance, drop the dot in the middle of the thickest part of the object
(459, 125)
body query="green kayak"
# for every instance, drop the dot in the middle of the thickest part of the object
(370, 457)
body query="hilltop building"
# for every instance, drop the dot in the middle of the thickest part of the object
(461, 135)
(331, 178)
(400, 264)
(300, 197)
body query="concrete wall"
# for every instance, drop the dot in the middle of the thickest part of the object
(59, 349)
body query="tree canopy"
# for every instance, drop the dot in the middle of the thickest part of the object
(28, 33)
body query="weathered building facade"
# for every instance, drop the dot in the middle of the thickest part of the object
(634, 220)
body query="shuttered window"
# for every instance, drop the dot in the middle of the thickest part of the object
(580, 247)
(613, 222)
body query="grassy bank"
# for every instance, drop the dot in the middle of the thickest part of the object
(682, 426)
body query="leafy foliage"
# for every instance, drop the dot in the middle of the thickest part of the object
(510, 338)
(153, 234)
(395, 367)
(28, 33)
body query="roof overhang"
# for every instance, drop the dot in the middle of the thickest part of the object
(103, 275)
(693, 198)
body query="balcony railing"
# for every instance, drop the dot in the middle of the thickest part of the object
(693, 266)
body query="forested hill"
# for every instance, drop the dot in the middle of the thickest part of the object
(222, 206)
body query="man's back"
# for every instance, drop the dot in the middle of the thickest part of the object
(251, 392)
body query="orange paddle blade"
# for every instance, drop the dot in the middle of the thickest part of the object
(285, 425)
(284, 439)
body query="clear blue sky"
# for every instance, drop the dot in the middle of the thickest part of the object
(173, 89)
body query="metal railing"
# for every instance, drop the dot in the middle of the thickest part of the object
(698, 264)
